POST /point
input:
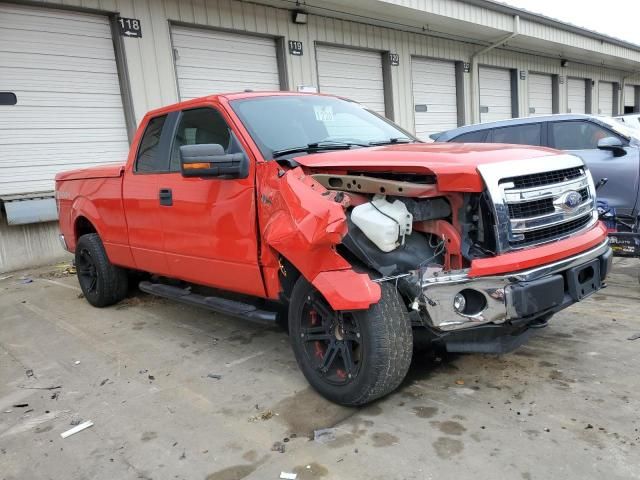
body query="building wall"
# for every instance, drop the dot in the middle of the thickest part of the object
(152, 80)
(152, 75)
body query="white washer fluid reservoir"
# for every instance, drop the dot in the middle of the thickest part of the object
(383, 222)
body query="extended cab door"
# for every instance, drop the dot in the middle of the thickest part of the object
(581, 137)
(141, 195)
(210, 229)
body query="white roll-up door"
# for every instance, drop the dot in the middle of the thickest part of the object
(351, 73)
(540, 94)
(495, 94)
(210, 62)
(605, 98)
(434, 96)
(576, 95)
(629, 96)
(61, 65)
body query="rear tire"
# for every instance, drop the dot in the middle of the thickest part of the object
(102, 283)
(350, 358)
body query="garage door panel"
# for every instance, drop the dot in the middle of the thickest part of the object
(576, 95)
(351, 73)
(495, 94)
(49, 22)
(210, 61)
(540, 94)
(605, 98)
(433, 84)
(63, 117)
(629, 96)
(54, 62)
(62, 67)
(57, 81)
(49, 136)
(59, 154)
(47, 99)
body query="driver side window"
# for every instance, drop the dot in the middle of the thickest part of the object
(579, 135)
(198, 126)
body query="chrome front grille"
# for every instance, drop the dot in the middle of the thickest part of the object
(549, 199)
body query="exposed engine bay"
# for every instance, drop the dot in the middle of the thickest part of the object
(401, 227)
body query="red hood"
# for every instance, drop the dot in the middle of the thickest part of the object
(453, 164)
(101, 171)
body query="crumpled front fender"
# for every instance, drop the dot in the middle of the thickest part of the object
(303, 223)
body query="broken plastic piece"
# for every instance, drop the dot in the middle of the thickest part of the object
(77, 428)
(324, 435)
(288, 476)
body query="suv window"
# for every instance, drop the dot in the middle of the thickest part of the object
(479, 136)
(528, 134)
(149, 157)
(197, 126)
(579, 135)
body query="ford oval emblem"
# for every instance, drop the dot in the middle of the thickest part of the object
(569, 200)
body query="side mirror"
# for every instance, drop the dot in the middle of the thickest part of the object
(209, 160)
(612, 144)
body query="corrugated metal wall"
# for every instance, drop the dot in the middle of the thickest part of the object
(152, 73)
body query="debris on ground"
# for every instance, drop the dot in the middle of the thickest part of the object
(459, 382)
(635, 336)
(103, 382)
(278, 447)
(76, 429)
(6, 277)
(26, 280)
(77, 362)
(183, 456)
(214, 376)
(75, 420)
(324, 435)
(20, 405)
(151, 377)
(266, 415)
(55, 395)
(288, 476)
(29, 373)
(40, 388)
(588, 427)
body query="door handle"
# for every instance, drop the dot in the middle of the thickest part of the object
(166, 197)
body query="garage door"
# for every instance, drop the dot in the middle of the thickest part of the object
(540, 95)
(209, 62)
(434, 96)
(605, 98)
(576, 95)
(629, 98)
(61, 66)
(495, 94)
(351, 73)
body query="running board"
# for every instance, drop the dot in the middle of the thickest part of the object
(217, 304)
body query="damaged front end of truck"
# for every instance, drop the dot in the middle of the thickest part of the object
(480, 254)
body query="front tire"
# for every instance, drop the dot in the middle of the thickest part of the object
(350, 358)
(102, 283)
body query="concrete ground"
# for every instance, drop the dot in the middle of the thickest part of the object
(564, 406)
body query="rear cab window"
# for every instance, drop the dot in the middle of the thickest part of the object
(151, 157)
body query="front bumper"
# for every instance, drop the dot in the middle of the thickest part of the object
(525, 295)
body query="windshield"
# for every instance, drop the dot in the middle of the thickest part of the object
(281, 123)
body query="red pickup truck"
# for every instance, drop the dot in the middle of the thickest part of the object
(314, 209)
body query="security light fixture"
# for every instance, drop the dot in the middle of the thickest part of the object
(300, 17)
(564, 63)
